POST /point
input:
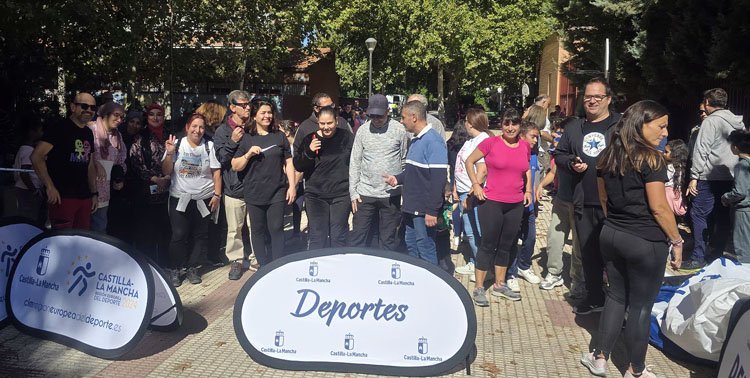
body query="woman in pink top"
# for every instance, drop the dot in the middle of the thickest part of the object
(109, 150)
(505, 194)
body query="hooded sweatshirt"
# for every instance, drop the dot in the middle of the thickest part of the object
(713, 159)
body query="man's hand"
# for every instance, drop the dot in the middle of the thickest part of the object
(214, 203)
(53, 196)
(237, 134)
(291, 194)
(390, 180)
(692, 189)
(354, 204)
(430, 220)
(580, 167)
(538, 194)
(94, 203)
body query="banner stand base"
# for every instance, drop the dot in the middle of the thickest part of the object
(468, 364)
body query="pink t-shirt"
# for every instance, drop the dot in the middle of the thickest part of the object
(506, 169)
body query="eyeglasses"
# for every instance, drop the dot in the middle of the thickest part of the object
(331, 105)
(85, 106)
(243, 105)
(378, 116)
(596, 98)
(119, 115)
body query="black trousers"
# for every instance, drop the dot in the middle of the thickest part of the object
(500, 223)
(386, 212)
(327, 217)
(153, 231)
(267, 231)
(187, 225)
(635, 268)
(589, 226)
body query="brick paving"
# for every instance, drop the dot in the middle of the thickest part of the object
(536, 337)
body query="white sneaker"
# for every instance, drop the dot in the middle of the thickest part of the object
(512, 284)
(466, 269)
(550, 282)
(529, 275)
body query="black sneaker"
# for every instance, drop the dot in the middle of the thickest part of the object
(586, 308)
(235, 270)
(174, 277)
(692, 265)
(193, 277)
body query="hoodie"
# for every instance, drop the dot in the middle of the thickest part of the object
(713, 159)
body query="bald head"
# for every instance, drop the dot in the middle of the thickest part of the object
(82, 109)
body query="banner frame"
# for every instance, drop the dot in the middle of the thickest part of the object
(8, 221)
(442, 368)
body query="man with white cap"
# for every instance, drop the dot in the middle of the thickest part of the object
(379, 151)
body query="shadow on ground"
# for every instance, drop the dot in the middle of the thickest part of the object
(156, 342)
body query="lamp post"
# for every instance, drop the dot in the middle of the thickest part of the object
(370, 42)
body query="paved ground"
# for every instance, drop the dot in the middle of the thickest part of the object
(536, 337)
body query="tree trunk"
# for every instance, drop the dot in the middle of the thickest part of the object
(441, 92)
(452, 100)
(61, 91)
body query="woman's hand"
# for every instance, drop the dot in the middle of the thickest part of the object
(254, 150)
(169, 145)
(676, 261)
(538, 194)
(478, 192)
(315, 145)
(527, 199)
(214, 203)
(101, 173)
(291, 194)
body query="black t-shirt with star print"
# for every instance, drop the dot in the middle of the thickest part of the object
(593, 143)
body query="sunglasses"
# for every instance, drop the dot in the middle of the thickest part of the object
(243, 105)
(85, 106)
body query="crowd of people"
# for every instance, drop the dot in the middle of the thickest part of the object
(625, 192)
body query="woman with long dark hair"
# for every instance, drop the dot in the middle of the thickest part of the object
(264, 161)
(637, 235)
(504, 196)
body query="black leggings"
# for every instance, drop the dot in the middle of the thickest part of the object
(328, 217)
(500, 223)
(187, 224)
(635, 268)
(267, 231)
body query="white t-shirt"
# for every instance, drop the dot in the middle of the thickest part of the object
(23, 157)
(543, 144)
(463, 184)
(192, 170)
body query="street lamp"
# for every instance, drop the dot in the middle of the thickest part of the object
(370, 42)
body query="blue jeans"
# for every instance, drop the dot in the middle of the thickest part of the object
(99, 220)
(527, 234)
(711, 220)
(470, 222)
(420, 239)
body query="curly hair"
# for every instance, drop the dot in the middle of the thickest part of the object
(678, 157)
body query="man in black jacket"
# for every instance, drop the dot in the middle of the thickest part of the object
(577, 153)
(226, 141)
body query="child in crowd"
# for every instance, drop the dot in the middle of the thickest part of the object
(739, 197)
(676, 155)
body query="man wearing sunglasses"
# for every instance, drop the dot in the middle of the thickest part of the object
(379, 151)
(577, 153)
(64, 161)
(310, 125)
(226, 140)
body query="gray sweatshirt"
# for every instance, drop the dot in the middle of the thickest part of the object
(713, 159)
(377, 151)
(739, 197)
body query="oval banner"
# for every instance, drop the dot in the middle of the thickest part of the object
(735, 353)
(355, 310)
(82, 289)
(15, 232)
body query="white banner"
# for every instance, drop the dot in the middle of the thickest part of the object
(14, 234)
(355, 310)
(83, 290)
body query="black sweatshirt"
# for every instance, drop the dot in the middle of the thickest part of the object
(327, 172)
(586, 140)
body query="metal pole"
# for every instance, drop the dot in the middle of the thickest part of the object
(606, 59)
(369, 88)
